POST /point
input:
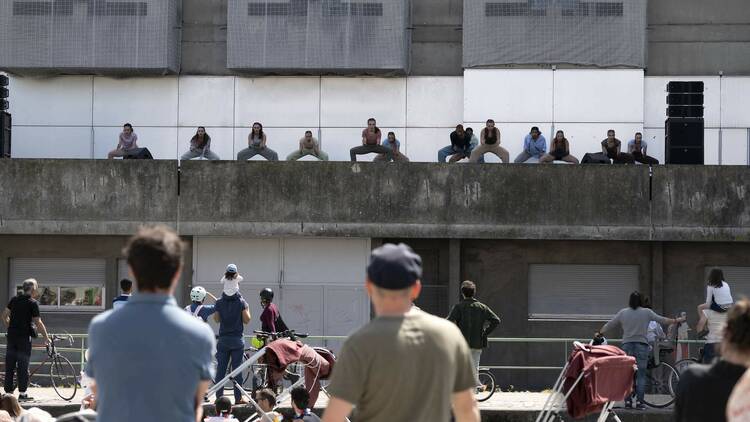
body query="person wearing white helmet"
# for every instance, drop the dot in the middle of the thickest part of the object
(197, 308)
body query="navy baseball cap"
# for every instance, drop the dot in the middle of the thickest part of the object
(394, 267)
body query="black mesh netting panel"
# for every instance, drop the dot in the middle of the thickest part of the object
(318, 35)
(89, 36)
(597, 33)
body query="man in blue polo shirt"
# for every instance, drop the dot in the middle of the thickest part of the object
(150, 360)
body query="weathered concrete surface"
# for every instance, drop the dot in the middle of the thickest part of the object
(383, 200)
(86, 196)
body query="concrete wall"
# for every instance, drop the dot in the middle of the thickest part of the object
(697, 37)
(377, 200)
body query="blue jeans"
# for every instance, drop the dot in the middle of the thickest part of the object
(446, 152)
(710, 352)
(640, 352)
(229, 348)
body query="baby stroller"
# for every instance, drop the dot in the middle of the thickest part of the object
(593, 379)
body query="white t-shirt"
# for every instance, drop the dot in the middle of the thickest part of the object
(738, 407)
(716, 323)
(655, 332)
(231, 286)
(219, 419)
(721, 295)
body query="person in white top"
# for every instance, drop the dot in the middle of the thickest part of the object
(718, 294)
(223, 411)
(231, 280)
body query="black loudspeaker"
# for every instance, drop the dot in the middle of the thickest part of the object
(139, 154)
(5, 126)
(684, 141)
(685, 111)
(694, 99)
(685, 86)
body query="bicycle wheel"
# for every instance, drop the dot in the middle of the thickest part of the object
(63, 377)
(682, 364)
(661, 383)
(486, 387)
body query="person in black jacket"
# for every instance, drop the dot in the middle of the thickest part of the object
(460, 144)
(18, 317)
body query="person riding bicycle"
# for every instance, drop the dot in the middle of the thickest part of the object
(270, 318)
(634, 321)
(197, 308)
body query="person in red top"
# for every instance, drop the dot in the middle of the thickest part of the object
(270, 318)
(371, 143)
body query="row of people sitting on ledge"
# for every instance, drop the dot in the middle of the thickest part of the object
(463, 145)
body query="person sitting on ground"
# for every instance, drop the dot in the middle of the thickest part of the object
(223, 408)
(200, 146)
(394, 144)
(308, 145)
(638, 147)
(126, 144)
(634, 321)
(197, 308)
(127, 288)
(612, 148)
(459, 148)
(256, 145)
(559, 149)
(270, 318)
(266, 400)
(704, 390)
(534, 146)
(300, 401)
(371, 143)
(231, 280)
(490, 142)
(718, 294)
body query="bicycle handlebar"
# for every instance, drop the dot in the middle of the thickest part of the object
(281, 334)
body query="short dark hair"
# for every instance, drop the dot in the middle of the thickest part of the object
(268, 395)
(638, 133)
(223, 405)
(155, 256)
(128, 125)
(459, 127)
(490, 121)
(126, 285)
(636, 300)
(534, 128)
(468, 129)
(391, 133)
(308, 131)
(468, 288)
(737, 331)
(715, 277)
(610, 130)
(300, 397)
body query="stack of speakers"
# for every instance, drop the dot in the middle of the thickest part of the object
(684, 125)
(5, 121)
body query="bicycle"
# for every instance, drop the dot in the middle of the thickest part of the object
(486, 387)
(61, 372)
(256, 376)
(661, 377)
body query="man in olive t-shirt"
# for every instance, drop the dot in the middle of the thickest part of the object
(405, 364)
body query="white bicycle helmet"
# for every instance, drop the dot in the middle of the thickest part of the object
(197, 294)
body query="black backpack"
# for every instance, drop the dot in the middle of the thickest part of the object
(595, 158)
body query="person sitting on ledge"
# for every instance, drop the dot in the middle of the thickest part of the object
(534, 146)
(490, 139)
(371, 142)
(308, 145)
(637, 148)
(559, 149)
(392, 143)
(256, 145)
(127, 143)
(612, 148)
(200, 146)
(459, 148)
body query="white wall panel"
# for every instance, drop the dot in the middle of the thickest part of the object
(655, 140)
(161, 141)
(422, 144)
(302, 308)
(140, 101)
(277, 101)
(349, 102)
(434, 101)
(711, 147)
(281, 140)
(735, 92)
(51, 142)
(655, 98)
(587, 137)
(258, 260)
(598, 95)
(206, 101)
(734, 147)
(507, 95)
(62, 101)
(222, 142)
(346, 310)
(325, 261)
